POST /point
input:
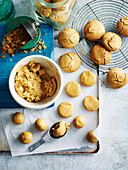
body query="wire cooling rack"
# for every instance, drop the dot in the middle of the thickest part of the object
(107, 12)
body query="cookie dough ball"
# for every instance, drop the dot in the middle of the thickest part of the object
(73, 89)
(122, 26)
(116, 78)
(88, 78)
(65, 109)
(111, 41)
(68, 38)
(44, 10)
(18, 118)
(94, 30)
(60, 129)
(79, 122)
(25, 137)
(41, 124)
(91, 103)
(100, 55)
(91, 138)
(69, 62)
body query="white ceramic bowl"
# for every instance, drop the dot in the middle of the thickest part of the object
(52, 69)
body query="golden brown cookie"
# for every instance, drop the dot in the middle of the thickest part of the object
(18, 118)
(116, 78)
(79, 122)
(122, 26)
(73, 89)
(69, 62)
(100, 55)
(41, 124)
(94, 30)
(88, 78)
(91, 103)
(91, 138)
(65, 109)
(68, 38)
(111, 41)
(25, 137)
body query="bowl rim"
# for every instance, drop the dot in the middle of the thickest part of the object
(19, 63)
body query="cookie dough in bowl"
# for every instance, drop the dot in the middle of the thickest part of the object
(94, 30)
(122, 26)
(116, 78)
(111, 41)
(43, 84)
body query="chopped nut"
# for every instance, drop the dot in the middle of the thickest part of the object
(44, 46)
(39, 47)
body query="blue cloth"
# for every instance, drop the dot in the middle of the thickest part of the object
(7, 63)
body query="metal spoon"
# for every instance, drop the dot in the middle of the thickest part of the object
(47, 138)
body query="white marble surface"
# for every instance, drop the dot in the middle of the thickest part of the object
(113, 152)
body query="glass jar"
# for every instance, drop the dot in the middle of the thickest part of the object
(7, 11)
(55, 12)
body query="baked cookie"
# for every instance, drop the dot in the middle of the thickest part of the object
(41, 124)
(116, 78)
(88, 78)
(79, 122)
(91, 103)
(100, 55)
(91, 138)
(18, 118)
(65, 109)
(69, 62)
(25, 137)
(111, 41)
(73, 89)
(68, 38)
(122, 26)
(94, 30)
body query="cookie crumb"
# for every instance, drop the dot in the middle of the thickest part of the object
(45, 34)
(39, 51)
(101, 85)
(3, 56)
